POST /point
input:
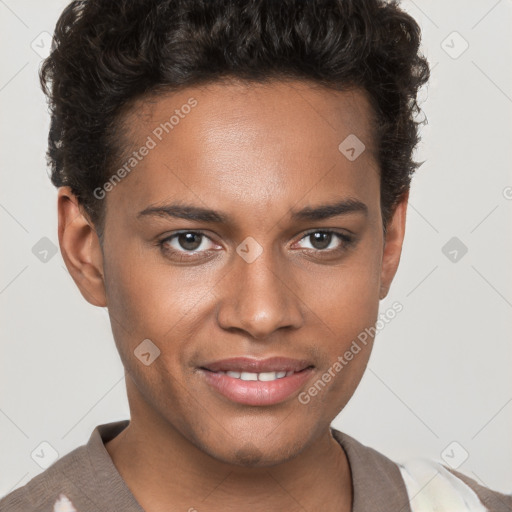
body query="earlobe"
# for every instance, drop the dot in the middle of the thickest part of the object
(393, 245)
(80, 248)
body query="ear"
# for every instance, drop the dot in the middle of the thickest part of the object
(80, 248)
(393, 245)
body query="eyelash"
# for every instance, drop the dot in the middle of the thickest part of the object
(346, 242)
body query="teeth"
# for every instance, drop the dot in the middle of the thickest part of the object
(266, 376)
(262, 376)
(248, 376)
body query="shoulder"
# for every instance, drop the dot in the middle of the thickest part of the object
(83, 480)
(48, 490)
(493, 500)
(376, 480)
(434, 486)
(417, 485)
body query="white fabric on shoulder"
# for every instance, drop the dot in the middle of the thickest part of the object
(432, 488)
(63, 504)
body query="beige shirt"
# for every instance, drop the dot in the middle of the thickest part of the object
(86, 480)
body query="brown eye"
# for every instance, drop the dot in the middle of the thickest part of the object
(189, 241)
(187, 244)
(326, 240)
(320, 240)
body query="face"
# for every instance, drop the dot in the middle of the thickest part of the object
(243, 231)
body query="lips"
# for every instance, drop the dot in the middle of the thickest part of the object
(257, 382)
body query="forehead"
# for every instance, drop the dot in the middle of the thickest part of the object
(255, 144)
(294, 106)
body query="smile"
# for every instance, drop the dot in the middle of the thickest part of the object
(256, 388)
(263, 376)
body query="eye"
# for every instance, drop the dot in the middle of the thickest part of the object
(327, 240)
(186, 244)
(193, 245)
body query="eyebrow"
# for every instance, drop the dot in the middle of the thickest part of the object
(199, 214)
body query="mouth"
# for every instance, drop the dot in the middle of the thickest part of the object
(261, 376)
(258, 366)
(257, 382)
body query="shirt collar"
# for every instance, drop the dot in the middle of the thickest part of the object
(377, 483)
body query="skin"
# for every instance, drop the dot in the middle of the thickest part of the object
(256, 153)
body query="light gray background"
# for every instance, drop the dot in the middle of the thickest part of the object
(440, 371)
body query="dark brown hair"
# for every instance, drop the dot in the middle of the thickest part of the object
(106, 54)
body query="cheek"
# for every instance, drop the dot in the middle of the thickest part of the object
(149, 299)
(347, 303)
(346, 297)
(348, 300)
(146, 302)
(148, 295)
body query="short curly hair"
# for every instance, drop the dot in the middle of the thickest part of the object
(108, 54)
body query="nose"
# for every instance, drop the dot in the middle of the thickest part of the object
(259, 298)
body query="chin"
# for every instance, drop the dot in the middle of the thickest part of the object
(258, 454)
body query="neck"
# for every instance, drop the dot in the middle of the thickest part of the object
(161, 467)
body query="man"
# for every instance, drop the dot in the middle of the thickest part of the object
(233, 181)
